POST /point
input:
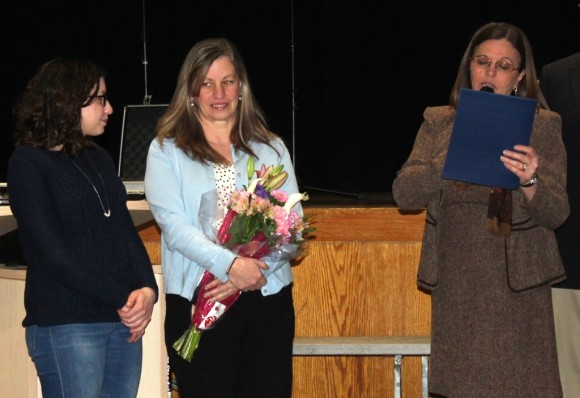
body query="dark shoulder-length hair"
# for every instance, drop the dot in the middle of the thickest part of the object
(182, 122)
(528, 87)
(48, 113)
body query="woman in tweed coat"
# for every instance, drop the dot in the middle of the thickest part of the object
(489, 271)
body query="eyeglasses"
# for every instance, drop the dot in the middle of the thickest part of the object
(502, 65)
(101, 98)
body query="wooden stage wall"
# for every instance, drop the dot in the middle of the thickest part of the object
(357, 279)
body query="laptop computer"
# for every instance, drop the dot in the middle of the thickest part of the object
(138, 130)
(4, 194)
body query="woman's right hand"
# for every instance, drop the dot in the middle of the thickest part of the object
(246, 273)
(137, 312)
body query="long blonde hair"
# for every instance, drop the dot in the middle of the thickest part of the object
(182, 122)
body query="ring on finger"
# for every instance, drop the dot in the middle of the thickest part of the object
(524, 166)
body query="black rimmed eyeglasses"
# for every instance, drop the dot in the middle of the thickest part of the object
(101, 98)
(502, 65)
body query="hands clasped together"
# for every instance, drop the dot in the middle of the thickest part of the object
(136, 313)
(245, 274)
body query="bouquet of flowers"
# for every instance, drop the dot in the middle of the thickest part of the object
(260, 222)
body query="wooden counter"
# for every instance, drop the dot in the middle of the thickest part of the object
(17, 372)
(357, 279)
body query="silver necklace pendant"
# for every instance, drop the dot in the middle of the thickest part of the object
(107, 211)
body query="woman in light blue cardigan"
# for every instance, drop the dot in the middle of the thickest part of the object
(204, 140)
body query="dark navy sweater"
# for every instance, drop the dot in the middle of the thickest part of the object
(82, 266)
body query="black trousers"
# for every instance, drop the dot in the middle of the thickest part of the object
(247, 354)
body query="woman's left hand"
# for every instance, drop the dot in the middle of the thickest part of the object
(523, 162)
(217, 290)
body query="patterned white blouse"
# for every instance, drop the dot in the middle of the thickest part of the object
(225, 181)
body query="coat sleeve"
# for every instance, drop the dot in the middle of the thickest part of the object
(549, 207)
(420, 176)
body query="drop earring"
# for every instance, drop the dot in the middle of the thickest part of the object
(516, 90)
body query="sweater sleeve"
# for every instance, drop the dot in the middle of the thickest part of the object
(141, 270)
(164, 195)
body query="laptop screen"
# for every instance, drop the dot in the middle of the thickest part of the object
(138, 131)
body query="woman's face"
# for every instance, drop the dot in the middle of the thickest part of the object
(94, 117)
(493, 65)
(218, 95)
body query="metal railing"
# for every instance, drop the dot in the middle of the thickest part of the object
(396, 346)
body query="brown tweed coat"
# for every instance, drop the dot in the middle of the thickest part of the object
(492, 321)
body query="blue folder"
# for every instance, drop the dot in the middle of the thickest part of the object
(486, 124)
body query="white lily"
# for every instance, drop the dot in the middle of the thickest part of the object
(293, 199)
(254, 184)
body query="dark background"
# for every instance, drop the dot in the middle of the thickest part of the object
(363, 70)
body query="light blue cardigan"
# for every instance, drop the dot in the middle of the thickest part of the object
(174, 185)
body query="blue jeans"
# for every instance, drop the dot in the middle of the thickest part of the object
(92, 360)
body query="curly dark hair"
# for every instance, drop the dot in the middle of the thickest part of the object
(48, 113)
